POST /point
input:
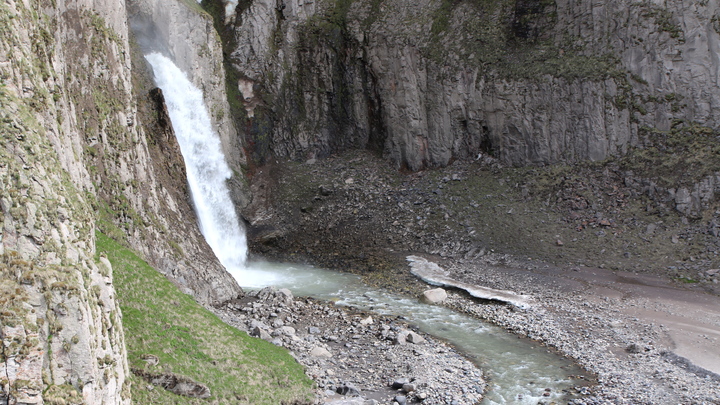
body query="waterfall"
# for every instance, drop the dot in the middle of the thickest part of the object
(207, 170)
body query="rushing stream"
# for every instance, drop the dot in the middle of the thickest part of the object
(519, 371)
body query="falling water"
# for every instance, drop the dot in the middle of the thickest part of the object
(519, 371)
(207, 171)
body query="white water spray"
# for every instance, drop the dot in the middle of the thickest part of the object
(207, 170)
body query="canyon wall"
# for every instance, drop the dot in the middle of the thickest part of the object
(62, 337)
(86, 146)
(531, 82)
(184, 32)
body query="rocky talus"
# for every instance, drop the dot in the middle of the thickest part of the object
(353, 212)
(592, 250)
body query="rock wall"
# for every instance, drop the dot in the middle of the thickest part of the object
(154, 182)
(83, 147)
(529, 81)
(62, 339)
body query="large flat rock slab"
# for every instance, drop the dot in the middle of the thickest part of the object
(433, 274)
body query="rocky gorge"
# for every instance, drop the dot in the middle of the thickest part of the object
(516, 143)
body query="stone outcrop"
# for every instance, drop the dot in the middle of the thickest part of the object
(433, 296)
(423, 83)
(62, 337)
(177, 384)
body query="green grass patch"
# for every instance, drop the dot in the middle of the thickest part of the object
(687, 280)
(190, 341)
(194, 6)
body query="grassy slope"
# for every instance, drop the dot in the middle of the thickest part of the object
(190, 341)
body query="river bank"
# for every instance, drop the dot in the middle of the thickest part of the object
(645, 340)
(355, 357)
(626, 289)
(642, 340)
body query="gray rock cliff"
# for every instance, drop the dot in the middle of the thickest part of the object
(62, 339)
(187, 35)
(531, 82)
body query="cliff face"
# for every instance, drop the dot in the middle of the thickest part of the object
(158, 214)
(83, 147)
(529, 81)
(62, 338)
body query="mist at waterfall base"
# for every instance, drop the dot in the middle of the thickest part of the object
(519, 371)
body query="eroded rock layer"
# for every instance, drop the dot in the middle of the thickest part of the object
(83, 148)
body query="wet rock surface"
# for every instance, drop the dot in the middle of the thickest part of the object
(355, 357)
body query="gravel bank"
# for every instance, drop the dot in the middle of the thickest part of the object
(358, 358)
(605, 323)
(618, 278)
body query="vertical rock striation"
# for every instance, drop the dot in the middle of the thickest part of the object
(186, 34)
(62, 339)
(531, 82)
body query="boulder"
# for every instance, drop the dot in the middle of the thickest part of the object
(407, 336)
(260, 333)
(348, 390)
(399, 383)
(318, 351)
(434, 296)
(285, 295)
(409, 387)
(177, 384)
(414, 338)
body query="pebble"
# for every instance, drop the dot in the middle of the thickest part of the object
(577, 327)
(633, 378)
